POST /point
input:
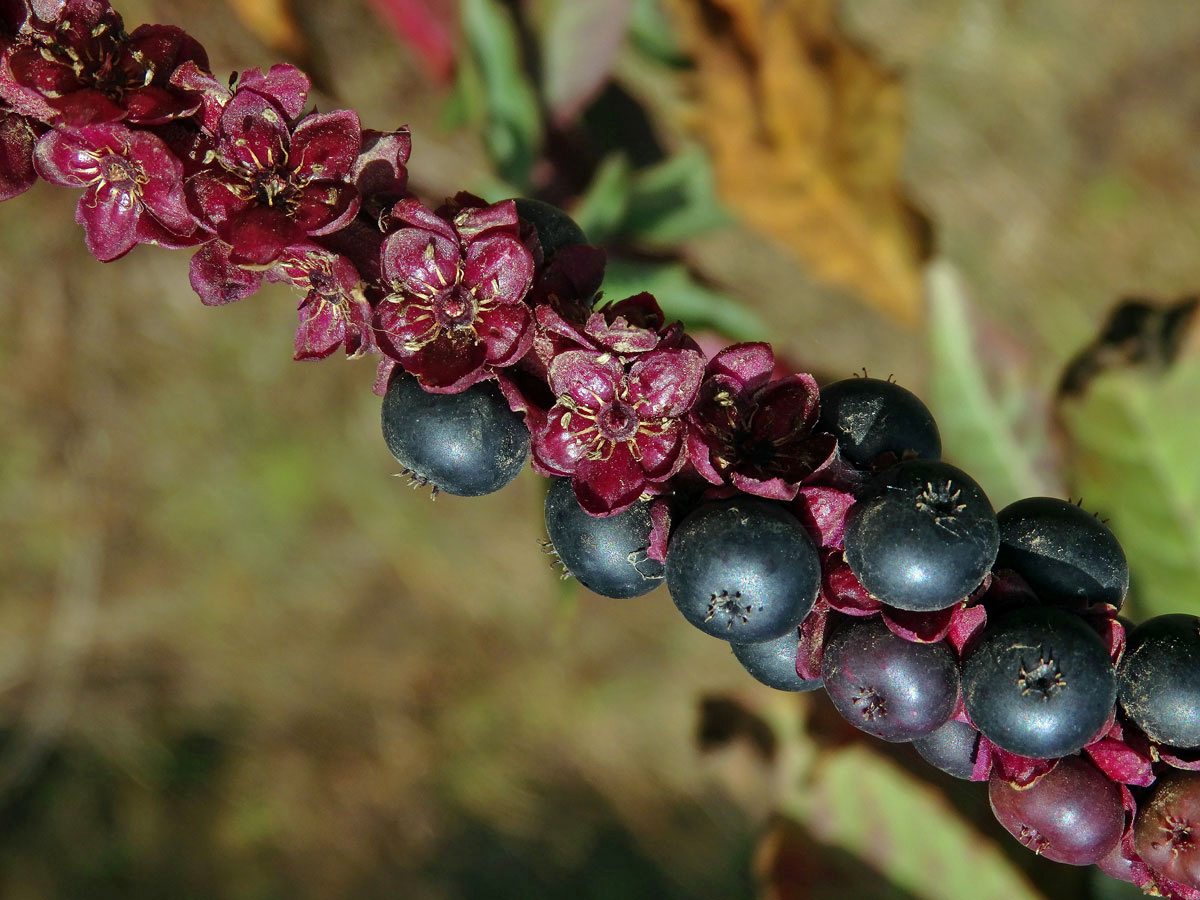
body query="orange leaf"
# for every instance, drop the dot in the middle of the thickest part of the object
(273, 23)
(806, 131)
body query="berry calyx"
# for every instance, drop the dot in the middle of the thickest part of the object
(467, 444)
(1072, 815)
(743, 570)
(922, 536)
(894, 689)
(1040, 683)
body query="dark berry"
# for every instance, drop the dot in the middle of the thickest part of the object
(951, 748)
(1063, 551)
(889, 687)
(1039, 683)
(743, 570)
(1166, 832)
(922, 536)
(773, 663)
(554, 227)
(869, 417)
(1072, 815)
(607, 555)
(466, 444)
(1158, 680)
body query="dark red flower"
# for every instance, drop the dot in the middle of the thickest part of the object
(284, 84)
(80, 68)
(381, 170)
(618, 431)
(457, 281)
(629, 327)
(134, 186)
(754, 433)
(333, 312)
(274, 184)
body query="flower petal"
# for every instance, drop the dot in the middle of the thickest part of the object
(664, 383)
(325, 206)
(320, 332)
(419, 262)
(498, 268)
(661, 452)
(506, 331)
(253, 133)
(217, 279)
(605, 487)
(555, 447)
(110, 222)
(325, 145)
(589, 379)
(448, 364)
(748, 365)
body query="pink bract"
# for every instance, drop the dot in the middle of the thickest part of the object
(134, 186)
(457, 280)
(617, 431)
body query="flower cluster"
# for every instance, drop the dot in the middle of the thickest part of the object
(617, 401)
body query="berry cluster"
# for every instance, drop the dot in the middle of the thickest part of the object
(815, 529)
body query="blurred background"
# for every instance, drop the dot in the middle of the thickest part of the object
(238, 659)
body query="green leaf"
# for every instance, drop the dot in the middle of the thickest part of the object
(683, 297)
(1133, 439)
(601, 210)
(901, 826)
(675, 200)
(651, 32)
(513, 131)
(979, 429)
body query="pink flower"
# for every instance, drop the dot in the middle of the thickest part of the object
(333, 312)
(457, 280)
(618, 432)
(18, 135)
(134, 186)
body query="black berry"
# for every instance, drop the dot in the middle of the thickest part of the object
(951, 748)
(743, 570)
(773, 663)
(870, 417)
(1159, 679)
(1072, 815)
(466, 444)
(607, 555)
(922, 536)
(554, 227)
(889, 687)
(1063, 551)
(1039, 683)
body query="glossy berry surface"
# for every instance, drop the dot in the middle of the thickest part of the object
(466, 444)
(773, 663)
(1158, 680)
(1040, 683)
(889, 687)
(922, 536)
(1071, 815)
(1166, 832)
(870, 416)
(1063, 551)
(743, 570)
(606, 555)
(951, 748)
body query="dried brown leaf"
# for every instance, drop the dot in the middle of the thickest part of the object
(274, 23)
(806, 132)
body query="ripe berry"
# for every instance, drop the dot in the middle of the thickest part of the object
(951, 748)
(1039, 683)
(466, 444)
(869, 416)
(607, 555)
(1159, 679)
(774, 663)
(889, 687)
(554, 227)
(1064, 552)
(922, 536)
(1166, 832)
(743, 570)
(1072, 815)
